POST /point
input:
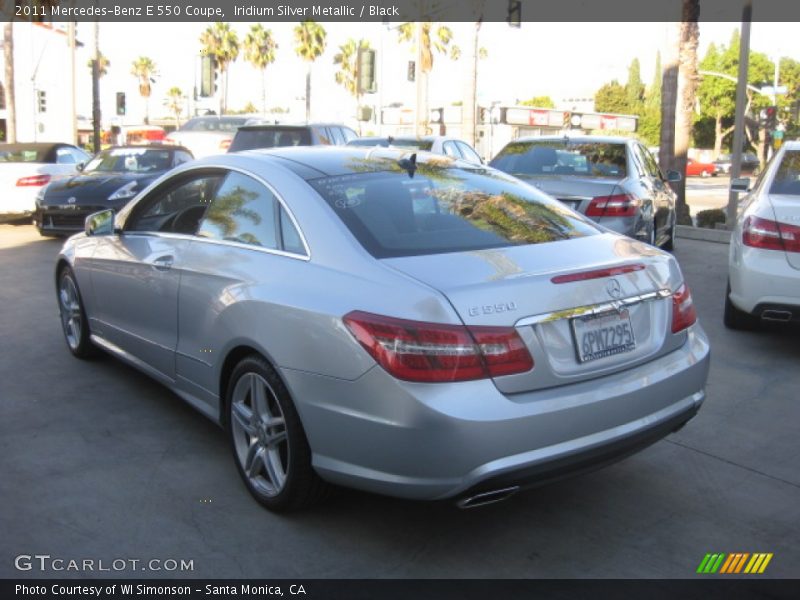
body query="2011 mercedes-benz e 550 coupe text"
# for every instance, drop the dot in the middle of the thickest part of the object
(406, 324)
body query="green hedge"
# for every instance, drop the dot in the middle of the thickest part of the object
(707, 218)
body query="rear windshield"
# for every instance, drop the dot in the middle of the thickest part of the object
(412, 143)
(787, 178)
(274, 137)
(445, 210)
(130, 160)
(580, 159)
(19, 154)
(225, 124)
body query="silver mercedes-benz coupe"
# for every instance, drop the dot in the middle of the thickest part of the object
(406, 324)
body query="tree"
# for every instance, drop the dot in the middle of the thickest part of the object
(259, 51)
(634, 88)
(221, 42)
(650, 115)
(174, 102)
(539, 102)
(424, 45)
(347, 60)
(310, 41)
(145, 71)
(611, 98)
(11, 102)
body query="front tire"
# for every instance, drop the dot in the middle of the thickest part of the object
(735, 318)
(73, 316)
(269, 445)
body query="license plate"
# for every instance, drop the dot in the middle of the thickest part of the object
(600, 336)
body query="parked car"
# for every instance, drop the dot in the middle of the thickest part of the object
(25, 168)
(206, 135)
(696, 168)
(750, 163)
(764, 258)
(614, 181)
(417, 328)
(252, 137)
(109, 180)
(438, 144)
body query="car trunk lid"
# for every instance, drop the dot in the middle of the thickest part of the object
(787, 214)
(576, 192)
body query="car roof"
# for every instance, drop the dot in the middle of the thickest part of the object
(601, 139)
(171, 147)
(34, 146)
(312, 162)
(256, 126)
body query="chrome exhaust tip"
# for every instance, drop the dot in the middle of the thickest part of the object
(781, 316)
(485, 498)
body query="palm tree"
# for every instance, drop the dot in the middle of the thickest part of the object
(11, 104)
(174, 103)
(259, 51)
(310, 39)
(347, 59)
(425, 44)
(144, 69)
(221, 42)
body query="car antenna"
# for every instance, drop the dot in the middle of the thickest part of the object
(409, 164)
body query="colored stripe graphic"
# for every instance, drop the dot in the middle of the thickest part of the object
(735, 563)
(728, 563)
(741, 562)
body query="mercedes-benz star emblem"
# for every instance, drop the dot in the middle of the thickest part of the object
(71, 200)
(613, 288)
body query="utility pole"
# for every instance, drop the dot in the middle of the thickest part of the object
(11, 105)
(422, 85)
(72, 104)
(96, 116)
(470, 106)
(738, 123)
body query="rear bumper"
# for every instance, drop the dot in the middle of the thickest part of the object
(427, 441)
(761, 278)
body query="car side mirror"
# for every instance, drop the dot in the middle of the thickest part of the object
(741, 185)
(100, 223)
(80, 167)
(673, 176)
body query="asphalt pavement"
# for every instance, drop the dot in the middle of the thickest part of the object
(98, 462)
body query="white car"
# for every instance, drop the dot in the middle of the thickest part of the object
(437, 144)
(764, 261)
(207, 135)
(26, 168)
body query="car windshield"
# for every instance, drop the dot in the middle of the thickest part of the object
(20, 154)
(563, 158)
(224, 124)
(271, 137)
(443, 209)
(132, 160)
(787, 177)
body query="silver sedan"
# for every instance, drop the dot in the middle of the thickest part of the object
(406, 324)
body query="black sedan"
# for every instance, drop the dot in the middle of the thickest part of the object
(109, 180)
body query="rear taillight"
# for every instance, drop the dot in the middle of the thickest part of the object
(224, 144)
(617, 205)
(433, 352)
(770, 235)
(597, 273)
(34, 180)
(683, 312)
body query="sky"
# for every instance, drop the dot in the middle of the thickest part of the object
(557, 59)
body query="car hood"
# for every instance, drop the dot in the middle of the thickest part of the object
(571, 186)
(93, 187)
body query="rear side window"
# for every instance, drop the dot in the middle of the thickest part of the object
(468, 153)
(272, 137)
(348, 134)
(243, 210)
(445, 209)
(787, 177)
(587, 159)
(336, 135)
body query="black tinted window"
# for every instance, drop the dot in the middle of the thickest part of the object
(176, 208)
(563, 158)
(787, 177)
(243, 210)
(272, 137)
(445, 210)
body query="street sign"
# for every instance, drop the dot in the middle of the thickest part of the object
(769, 90)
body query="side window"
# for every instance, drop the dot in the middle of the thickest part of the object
(243, 211)
(175, 208)
(450, 149)
(289, 236)
(468, 153)
(336, 134)
(79, 155)
(348, 134)
(65, 157)
(323, 135)
(650, 164)
(182, 157)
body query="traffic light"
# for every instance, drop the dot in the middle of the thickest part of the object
(514, 16)
(412, 70)
(121, 103)
(366, 71)
(208, 76)
(772, 118)
(41, 100)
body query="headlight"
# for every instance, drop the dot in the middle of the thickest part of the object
(125, 192)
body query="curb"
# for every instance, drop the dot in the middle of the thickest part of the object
(720, 236)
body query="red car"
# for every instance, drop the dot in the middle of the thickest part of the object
(695, 168)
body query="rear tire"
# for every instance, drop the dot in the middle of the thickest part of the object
(735, 318)
(269, 446)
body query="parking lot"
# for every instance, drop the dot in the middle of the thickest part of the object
(98, 461)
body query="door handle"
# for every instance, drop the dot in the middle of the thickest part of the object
(163, 263)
